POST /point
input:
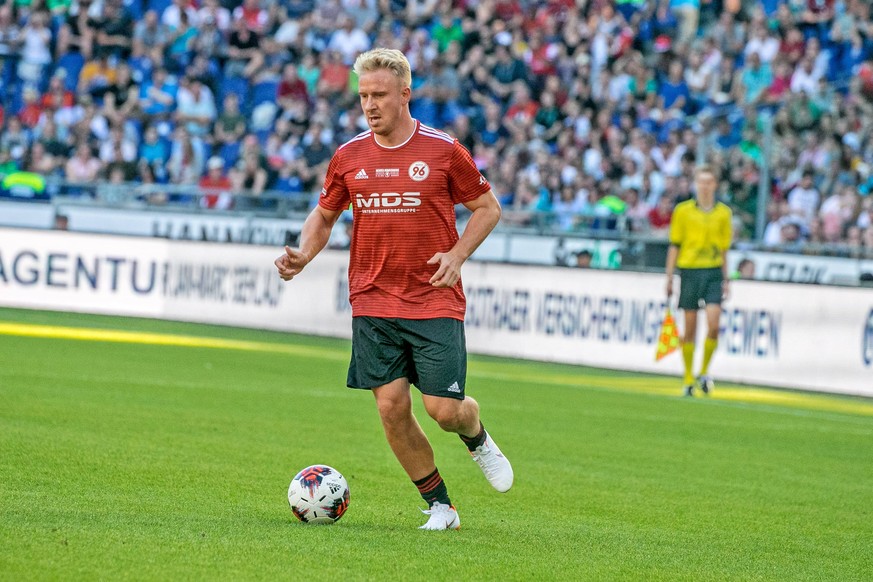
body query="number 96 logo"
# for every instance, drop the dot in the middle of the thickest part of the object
(419, 171)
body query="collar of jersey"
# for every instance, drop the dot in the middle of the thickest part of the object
(400, 145)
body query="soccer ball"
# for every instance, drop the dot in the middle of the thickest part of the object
(318, 494)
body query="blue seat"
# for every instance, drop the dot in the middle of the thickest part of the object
(238, 86)
(158, 5)
(230, 153)
(71, 63)
(135, 9)
(265, 91)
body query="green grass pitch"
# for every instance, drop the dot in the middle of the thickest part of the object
(156, 461)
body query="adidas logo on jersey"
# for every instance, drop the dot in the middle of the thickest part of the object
(362, 175)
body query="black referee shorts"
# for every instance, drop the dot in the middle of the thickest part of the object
(700, 285)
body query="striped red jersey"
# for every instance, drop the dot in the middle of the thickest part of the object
(403, 200)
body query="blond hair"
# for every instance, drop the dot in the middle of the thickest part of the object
(385, 59)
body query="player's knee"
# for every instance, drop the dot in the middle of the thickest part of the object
(448, 417)
(394, 411)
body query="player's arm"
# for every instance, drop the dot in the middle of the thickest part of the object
(672, 255)
(486, 214)
(673, 249)
(313, 238)
(726, 239)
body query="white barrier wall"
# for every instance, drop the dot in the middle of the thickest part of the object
(801, 336)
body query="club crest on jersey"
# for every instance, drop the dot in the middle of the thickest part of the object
(419, 171)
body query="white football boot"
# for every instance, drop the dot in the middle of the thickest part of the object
(496, 467)
(442, 517)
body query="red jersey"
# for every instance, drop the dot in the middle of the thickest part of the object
(403, 200)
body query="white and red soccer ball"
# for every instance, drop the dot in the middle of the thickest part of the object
(318, 494)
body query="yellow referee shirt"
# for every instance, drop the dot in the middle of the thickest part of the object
(702, 236)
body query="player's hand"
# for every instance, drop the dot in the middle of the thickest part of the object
(449, 271)
(725, 289)
(669, 287)
(291, 263)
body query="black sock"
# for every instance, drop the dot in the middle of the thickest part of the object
(476, 441)
(432, 489)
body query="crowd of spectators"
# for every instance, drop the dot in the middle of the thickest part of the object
(580, 113)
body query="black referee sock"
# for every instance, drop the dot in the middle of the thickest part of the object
(476, 441)
(432, 489)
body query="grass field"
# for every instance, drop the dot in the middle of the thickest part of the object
(157, 450)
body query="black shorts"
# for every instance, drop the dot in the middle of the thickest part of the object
(698, 285)
(430, 353)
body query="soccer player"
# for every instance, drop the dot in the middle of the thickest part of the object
(402, 180)
(700, 236)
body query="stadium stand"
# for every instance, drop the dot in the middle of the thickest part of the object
(581, 114)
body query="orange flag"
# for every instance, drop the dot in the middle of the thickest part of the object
(668, 340)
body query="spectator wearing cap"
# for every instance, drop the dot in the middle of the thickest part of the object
(216, 186)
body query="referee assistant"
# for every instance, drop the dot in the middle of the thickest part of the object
(700, 236)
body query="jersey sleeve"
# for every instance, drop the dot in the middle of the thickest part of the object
(725, 235)
(334, 194)
(466, 182)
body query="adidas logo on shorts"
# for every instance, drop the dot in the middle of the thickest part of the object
(454, 388)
